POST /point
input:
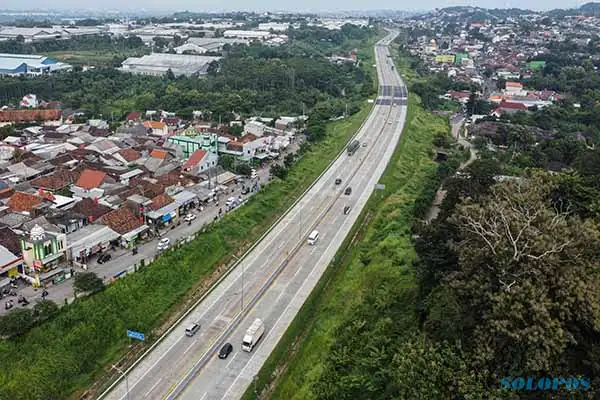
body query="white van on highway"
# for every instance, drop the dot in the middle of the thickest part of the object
(313, 237)
(253, 335)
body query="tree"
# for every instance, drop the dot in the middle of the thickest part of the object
(279, 171)
(17, 322)
(87, 282)
(44, 310)
(526, 280)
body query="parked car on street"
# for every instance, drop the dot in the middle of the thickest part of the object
(190, 217)
(163, 244)
(225, 350)
(104, 258)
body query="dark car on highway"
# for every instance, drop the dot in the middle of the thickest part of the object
(338, 181)
(225, 350)
(348, 191)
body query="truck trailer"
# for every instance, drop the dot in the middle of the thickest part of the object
(253, 335)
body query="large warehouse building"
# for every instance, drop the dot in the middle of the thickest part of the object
(28, 64)
(158, 64)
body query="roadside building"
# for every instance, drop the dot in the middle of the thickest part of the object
(43, 250)
(90, 240)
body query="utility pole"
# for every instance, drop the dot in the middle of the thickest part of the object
(126, 380)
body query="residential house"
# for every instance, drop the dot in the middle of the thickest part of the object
(59, 180)
(158, 128)
(91, 210)
(27, 203)
(514, 89)
(128, 156)
(90, 182)
(104, 147)
(125, 223)
(200, 162)
(507, 107)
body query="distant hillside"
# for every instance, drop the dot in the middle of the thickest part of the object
(590, 8)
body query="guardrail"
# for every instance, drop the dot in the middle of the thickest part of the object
(189, 376)
(232, 267)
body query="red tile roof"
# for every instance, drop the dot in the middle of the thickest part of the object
(91, 209)
(156, 153)
(29, 115)
(21, 201)
(55, 181)
(194, 159)
(514, 84)
(160, 201)
(508, 105)
(133, 116)
(129, 155)
(90, 179)
(122, 220)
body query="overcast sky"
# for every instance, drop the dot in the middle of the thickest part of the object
(295, 5)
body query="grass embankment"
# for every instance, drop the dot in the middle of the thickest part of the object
(382, 239)
(67, 353)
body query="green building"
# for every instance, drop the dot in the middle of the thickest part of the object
(459, 57)
(536, 65)
(191, 140)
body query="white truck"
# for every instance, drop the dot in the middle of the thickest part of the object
(253, 335)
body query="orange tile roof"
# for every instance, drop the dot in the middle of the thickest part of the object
(194, 159)
(155, 124)
(160, 201)
(122, 220)
(129, 154)
(29, 115)
(158, 154)
(21, 201)
(90, 179)
(513, 84)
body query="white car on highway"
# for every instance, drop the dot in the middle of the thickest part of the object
(163, 244)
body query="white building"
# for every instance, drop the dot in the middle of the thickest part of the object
(158, 64)
(274, 26)
(249, 35)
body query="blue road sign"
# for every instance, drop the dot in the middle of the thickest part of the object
(135, 335)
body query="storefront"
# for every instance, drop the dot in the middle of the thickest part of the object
(54, 277)
(163, 217)
(10, 265)
(186, 201)
(129, 239)
(90, 240)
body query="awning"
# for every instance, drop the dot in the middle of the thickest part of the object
(90, 236)
(132, 234)
(184, 197)
(51, 274)
(4, 282)
(168, 209)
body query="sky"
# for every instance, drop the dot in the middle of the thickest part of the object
(291, 5)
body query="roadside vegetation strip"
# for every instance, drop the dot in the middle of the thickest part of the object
(67, 353)
(381, 239)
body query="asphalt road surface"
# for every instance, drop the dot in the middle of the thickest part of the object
(278, 275)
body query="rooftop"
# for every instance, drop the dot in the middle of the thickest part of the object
(90, 179)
